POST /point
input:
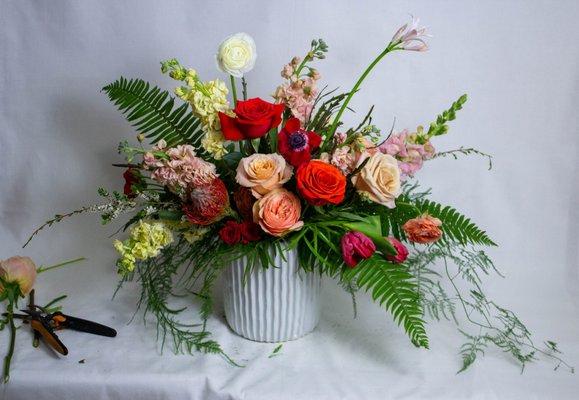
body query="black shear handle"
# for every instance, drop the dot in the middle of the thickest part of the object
(82, 325)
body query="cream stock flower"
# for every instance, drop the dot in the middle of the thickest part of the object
(236, 54)
(213, 142)
(263, 173)
(379, 179)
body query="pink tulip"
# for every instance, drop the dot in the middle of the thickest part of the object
(19, 270)
(355, 247)
(401, 251)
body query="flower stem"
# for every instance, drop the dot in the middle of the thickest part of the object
(8, 358)
(301, 66)
(62, 264)
(391, 47)
(244, 87)
(233, 90)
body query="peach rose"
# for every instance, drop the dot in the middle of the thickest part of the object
(379, 178)
(278, 212)
(423, 229)
(263, 172)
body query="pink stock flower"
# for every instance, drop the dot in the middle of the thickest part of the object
(410, 155)
(19, 270)
(411, 37)
(401, 251)
(343, 159)
(182, 170)
(299, 92)
(355, 247)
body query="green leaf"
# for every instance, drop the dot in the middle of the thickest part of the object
(392, 286)
(151, 111)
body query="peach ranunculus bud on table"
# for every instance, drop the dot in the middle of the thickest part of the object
(19, 270)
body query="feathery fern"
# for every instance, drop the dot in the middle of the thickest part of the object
(150, 110)
(391, 285)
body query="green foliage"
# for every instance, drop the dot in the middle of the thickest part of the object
(393, 219)
(392, 286)
(151, 111)
(320, 120)
(455, 226)
(440, 127)
(469, 351)
(465, 152)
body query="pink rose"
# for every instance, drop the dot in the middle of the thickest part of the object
(19, 270)
(401, 251)
(355, 247)
(278, 212)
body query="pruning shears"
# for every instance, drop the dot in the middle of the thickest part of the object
(45, 324)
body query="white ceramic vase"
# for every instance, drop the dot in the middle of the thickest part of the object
(274, 304)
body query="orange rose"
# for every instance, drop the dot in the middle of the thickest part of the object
(278, 212)
(423, 229)
(320, 183)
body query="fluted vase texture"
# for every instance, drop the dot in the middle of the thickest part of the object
(274, 304)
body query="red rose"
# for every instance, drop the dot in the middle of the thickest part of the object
(230, 233)
(245, 232)
(132, 177)
(244, 202)
(254, 118)
(250, 232)
(320, 183)
(296, 144)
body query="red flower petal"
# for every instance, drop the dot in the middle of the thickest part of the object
(297, 158)
(314, 140)
(292, 125)
(229, 127)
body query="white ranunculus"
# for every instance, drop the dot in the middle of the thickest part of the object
(236, 54)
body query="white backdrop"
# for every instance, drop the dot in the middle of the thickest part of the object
(517, 60)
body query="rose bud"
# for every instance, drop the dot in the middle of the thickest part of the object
(19, 270)
(355, 247)
(401, 251)
(425, 229)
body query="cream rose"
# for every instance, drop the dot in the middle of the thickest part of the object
(236, 54)
(379, 179)
(278, 212)
(263, 172)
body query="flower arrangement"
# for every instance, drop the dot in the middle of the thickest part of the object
(229, 176)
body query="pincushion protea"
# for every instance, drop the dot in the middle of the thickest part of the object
(208, 203)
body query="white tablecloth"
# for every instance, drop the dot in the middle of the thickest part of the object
(518, 62)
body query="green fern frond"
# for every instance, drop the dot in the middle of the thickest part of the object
(391, 285)
(150, 110)
(456, 227)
